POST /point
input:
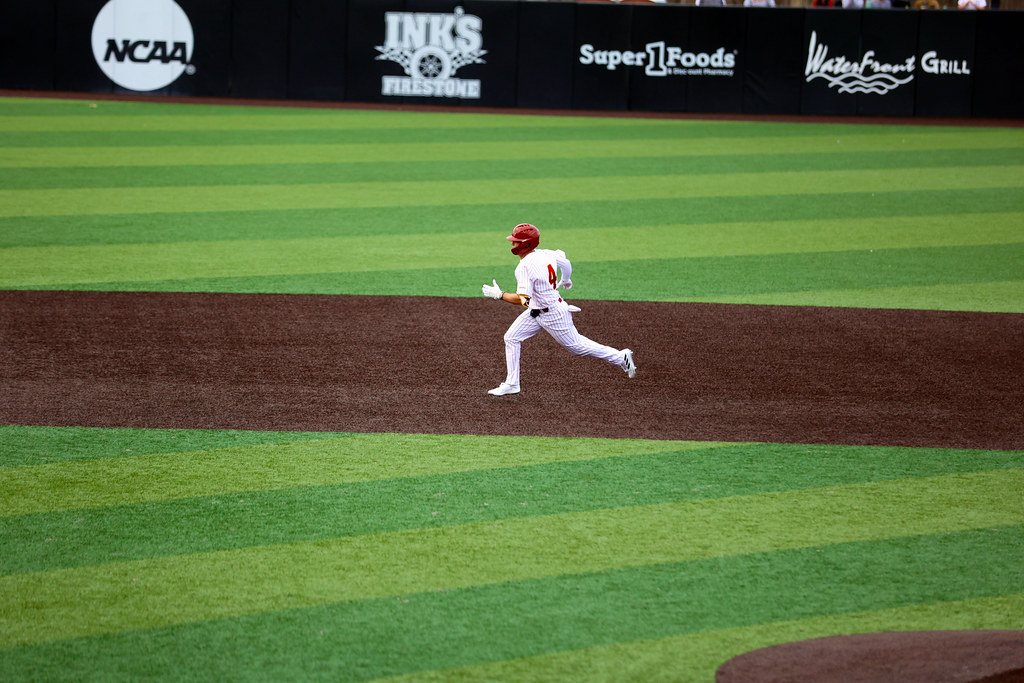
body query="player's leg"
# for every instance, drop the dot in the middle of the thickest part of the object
(560, 326)
(521, 329)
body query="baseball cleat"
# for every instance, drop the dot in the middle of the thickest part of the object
(503, 389)
(628, 365)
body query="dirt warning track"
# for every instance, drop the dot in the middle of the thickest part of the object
(423, 365)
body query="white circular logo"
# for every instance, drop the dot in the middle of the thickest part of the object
(142, 44)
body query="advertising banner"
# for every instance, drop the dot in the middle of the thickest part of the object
(83, 61)
(715, 81)
(546, 55)
(513, 53)
(316, 49)
(26, 44)
(432, 52)
(773, 60)
(659, 76)
(259, 49)
(999, 68)
(365, 66)
(888, 63)
(165, 47)
(946, 64)
(208, 72)
(604, 56)
(832, 63)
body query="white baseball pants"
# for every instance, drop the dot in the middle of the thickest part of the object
(558, 323)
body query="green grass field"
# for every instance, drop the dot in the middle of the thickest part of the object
(201, 554)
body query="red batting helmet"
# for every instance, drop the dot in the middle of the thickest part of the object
(525, 237)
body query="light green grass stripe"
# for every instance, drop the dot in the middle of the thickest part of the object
(115, 597)
(442, 193)
(116, 481)
(28, 157)
(694, 657)
(982, 297)
(56, 265)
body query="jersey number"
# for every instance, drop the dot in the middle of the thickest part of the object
(551, 277)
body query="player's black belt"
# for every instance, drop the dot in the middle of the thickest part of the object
(534, 312)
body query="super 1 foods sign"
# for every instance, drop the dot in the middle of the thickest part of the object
(663, 59)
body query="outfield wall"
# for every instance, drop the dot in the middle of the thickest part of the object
(502, 53)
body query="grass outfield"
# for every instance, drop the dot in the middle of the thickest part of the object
(201, 554)
(163, 197)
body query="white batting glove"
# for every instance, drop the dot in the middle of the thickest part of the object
(493, 290)
(567, 284)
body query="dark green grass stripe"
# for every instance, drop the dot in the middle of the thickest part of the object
(775, 273)
(643, 280)
(38, 445)
(284, 174)
(370, 639)
(91, 536)
(148, 228)
(498, 133)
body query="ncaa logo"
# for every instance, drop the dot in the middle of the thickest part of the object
(142, 44)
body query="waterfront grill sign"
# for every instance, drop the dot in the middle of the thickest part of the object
(868, 74)
(431, 48)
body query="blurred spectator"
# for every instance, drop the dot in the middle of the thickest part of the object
(823, 3)
(759, 3)
(927, 4)
(971, 4)
(853, 4)
(711, 3)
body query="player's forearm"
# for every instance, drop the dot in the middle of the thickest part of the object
(512, 298)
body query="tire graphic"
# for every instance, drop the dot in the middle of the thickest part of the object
(430, 62)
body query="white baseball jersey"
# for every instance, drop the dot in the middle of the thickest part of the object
(536, 277)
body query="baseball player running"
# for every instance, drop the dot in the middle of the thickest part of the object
(537, 285)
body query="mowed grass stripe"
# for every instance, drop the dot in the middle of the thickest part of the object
(520, 631)
(86, 536)
(986, 297)
(433, 171)
(93, 600)
(984, 142)
(709, 277)
(482, 625)
(966, 285)
(191, 118)
(522, 635)
(35, 445)
(695, 656)
(135, 479)
(58, 265)
(443, 193)
(458, 220)
(451, 131)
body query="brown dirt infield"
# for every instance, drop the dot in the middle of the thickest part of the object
(423, 365)
(903, 657)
